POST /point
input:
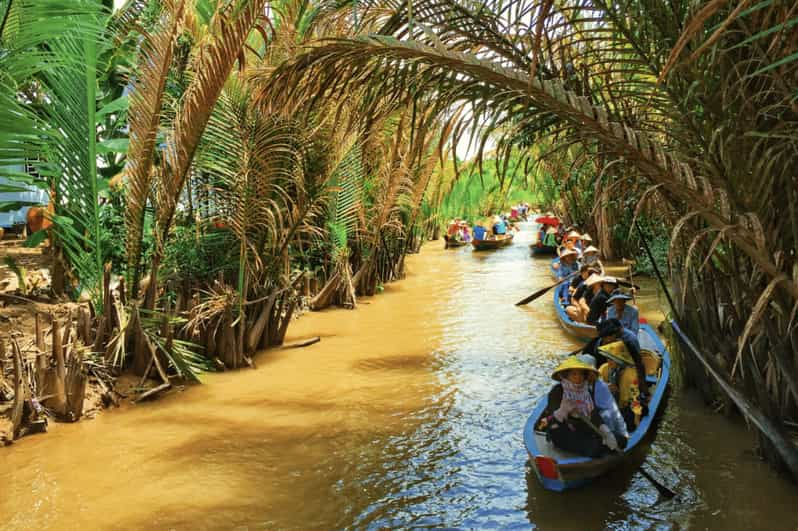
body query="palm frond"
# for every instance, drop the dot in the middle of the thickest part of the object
(145, 112)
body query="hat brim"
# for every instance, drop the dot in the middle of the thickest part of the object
(570, 363)
(619, 297)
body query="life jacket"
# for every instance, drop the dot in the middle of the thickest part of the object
(618, 352)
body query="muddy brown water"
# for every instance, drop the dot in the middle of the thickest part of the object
(408, 414)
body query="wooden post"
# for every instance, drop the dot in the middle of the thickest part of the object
(58, 378)
(19, 391)
(39, 332)
(84, 325)
(2, 358)
(41, 365)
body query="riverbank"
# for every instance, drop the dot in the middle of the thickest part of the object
(407, 413)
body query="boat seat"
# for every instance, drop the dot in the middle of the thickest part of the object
(651, 361)
(547, 448)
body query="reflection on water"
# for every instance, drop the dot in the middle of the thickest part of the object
(408, 414)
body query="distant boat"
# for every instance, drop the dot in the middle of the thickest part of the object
(538, 249)
(559, 470)
(501, 240)
(450, 243)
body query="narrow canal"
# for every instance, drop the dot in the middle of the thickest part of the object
(408, 414)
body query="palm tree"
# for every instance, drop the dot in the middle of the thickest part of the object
(693, 103)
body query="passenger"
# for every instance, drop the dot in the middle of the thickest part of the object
(590, 256)
(550, 239)
(585, 241)
(622, 378)
(598, 305)
(609, 332)
(569, 242)
(479, 231)
(577, 287)
(584, 295)
(499, 226)
(465, 234)
(607, 403)
(627, 314)
(567, 264)
(576, 400)
(452, 229)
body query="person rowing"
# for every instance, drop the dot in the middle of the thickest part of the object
(580, 397)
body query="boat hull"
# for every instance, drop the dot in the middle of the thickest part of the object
(560, 473)
(486, 245)
(583, 331)
(452, 243)
(542, 250)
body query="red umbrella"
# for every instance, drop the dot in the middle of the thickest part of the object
(548, 220)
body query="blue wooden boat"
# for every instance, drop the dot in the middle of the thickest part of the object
(538, 249)
(559, 470)
(583, 331)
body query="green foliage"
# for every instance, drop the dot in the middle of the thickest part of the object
(476, 194)
(200, 256)
(183, 356)
(112, 232)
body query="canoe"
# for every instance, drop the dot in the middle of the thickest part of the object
(452, 243)
(538, 249)
(484, 245)
(583, 331)
(559, 470)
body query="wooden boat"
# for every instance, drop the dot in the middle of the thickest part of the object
(583, 331)
(559, 470)
(538, 249)
(451, 243)
(495, 243)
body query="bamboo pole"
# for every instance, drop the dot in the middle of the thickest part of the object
(781, 444)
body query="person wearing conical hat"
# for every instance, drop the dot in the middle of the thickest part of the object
(548, 235)
(567, 264)
(580, 294)
(570, 241)
(623, 347)
(628, 315)
(591, 256)
(598, 305)
(578, 398)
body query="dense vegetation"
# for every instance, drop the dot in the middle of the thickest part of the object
(258, 143)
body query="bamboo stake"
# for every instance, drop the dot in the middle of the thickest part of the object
(781, 443)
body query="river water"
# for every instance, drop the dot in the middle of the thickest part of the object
(407, 414)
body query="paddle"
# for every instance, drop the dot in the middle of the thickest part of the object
(662, 489)
(540, 292)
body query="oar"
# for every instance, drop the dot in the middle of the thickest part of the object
(663, 490)
(540, 292)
